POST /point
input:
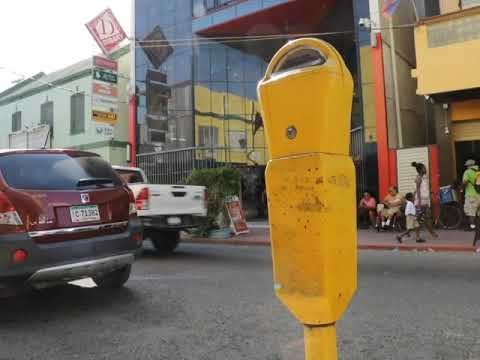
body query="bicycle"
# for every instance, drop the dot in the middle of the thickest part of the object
(451, 215)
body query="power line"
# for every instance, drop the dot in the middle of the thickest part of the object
(201, 41)
(246, 38)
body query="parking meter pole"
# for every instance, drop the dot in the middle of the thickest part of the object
(321, 342)
(306, 100)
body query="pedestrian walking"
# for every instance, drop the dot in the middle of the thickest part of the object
(423, 197)
(472, 197)
(412, 222)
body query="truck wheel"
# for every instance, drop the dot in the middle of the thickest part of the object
(115, 279)
(165, 241)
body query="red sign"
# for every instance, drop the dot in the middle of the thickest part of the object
(237, 216)
(106, 31)
(103, 63)
(105, 89)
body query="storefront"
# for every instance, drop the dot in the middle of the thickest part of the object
(465, 119)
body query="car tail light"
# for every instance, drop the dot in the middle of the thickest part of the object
(205, 199)
(8, 212)
(132, 209)
(143, 199)
(20, 256)
(138, 238)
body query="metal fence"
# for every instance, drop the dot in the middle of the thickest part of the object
(357, 153)
(174, 166)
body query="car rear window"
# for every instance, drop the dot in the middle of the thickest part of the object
(56, 171)
(130, 176)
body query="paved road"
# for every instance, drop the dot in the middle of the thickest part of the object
(217, 303)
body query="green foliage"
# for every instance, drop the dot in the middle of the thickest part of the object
(221, 183)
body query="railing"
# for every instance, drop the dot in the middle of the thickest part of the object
(174, 166)
(357, 153)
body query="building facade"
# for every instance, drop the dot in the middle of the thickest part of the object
(55, 110)
(448, 53)
(198, 62)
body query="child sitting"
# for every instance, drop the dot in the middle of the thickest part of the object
(412, 222)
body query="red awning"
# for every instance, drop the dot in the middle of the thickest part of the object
(296, 16)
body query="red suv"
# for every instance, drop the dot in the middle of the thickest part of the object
(64, 215)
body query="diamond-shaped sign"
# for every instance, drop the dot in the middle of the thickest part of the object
(106, 31)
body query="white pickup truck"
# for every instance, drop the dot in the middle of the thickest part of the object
(165, 210)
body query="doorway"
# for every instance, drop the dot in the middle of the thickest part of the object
(465, 150)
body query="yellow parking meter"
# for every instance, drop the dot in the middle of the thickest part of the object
(306, 99)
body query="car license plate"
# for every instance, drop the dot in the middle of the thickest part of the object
(87, 213)
(174, 221)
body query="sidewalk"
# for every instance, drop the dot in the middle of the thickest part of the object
(453, 240)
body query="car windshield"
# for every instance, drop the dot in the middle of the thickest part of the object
(130, 176)
(56, 171)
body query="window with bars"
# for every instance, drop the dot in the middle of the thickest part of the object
(77, 113)
(208, 136)
(16, 121)
(46, 113)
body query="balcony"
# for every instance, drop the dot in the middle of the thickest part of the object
(257, 17)
(447, 51)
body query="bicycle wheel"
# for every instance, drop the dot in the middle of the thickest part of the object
(450, 217)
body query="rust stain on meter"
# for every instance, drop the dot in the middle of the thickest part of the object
(314, 248)
(312, 205)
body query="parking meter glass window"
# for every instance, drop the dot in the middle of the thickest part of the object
(301, 58)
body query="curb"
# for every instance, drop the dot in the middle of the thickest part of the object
(377, 246)
(422, 248)
(227, 242)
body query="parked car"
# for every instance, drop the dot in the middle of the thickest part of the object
(165, 210)
(64, 215)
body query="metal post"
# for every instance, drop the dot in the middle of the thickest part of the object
(415, 10)
(396, 90)
(320, 342)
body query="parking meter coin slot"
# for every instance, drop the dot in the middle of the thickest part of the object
(300, 58)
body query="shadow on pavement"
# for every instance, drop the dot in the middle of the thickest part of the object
(63, 303)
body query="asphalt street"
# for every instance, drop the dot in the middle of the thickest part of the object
(217, 302)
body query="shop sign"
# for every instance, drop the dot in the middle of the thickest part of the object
(104, 116)
(104, 63)
(101, 102)
(237, 216)
(106, 31)
(105, 76)
(104, 130)
(103, 89)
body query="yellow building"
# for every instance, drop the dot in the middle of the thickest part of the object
(447, 72)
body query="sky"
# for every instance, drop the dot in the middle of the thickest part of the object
(48, 35)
